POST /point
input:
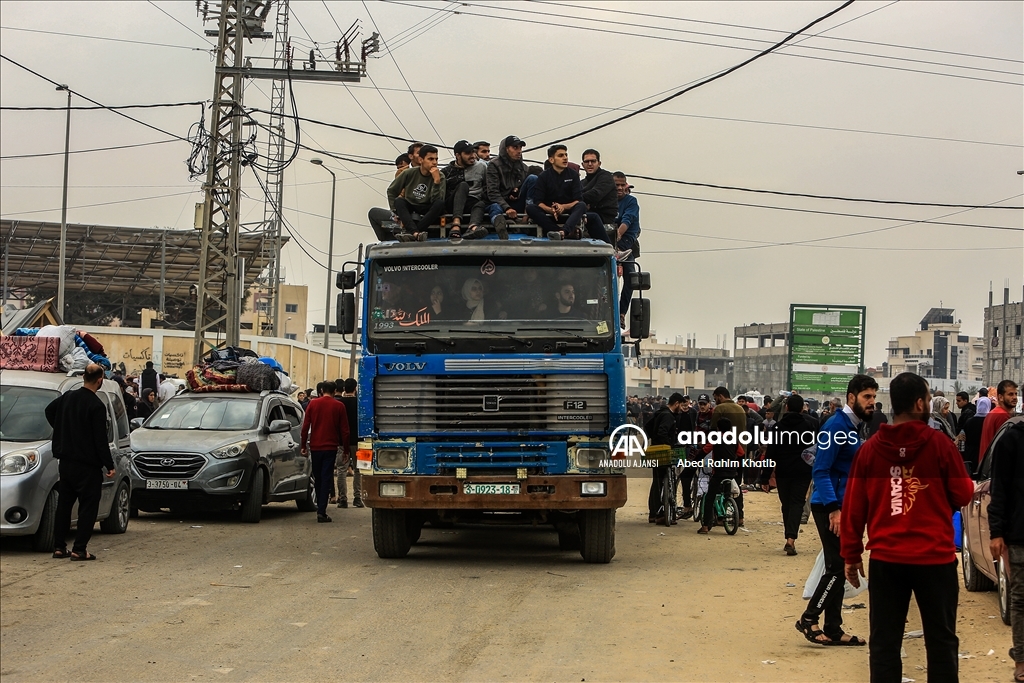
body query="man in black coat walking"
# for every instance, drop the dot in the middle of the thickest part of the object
(79, 422)
(794, 433)
(149, 378)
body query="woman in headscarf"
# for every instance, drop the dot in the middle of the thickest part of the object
(972, 434)
(473, 294)
(940, 418)
(145, 406)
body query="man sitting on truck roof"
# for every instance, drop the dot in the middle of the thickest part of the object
(508, 185)
(378, 216)
(558, 197)
(419, 189)
(600, 195)
(464, 178)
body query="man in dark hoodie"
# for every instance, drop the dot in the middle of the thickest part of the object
(600, 196)
(508, 185)
(837, 443)
(903, 486)
(662, 431)
(1006, 524)
(793, 434)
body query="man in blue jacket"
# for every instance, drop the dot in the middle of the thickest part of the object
(837, 443)
(627, 234)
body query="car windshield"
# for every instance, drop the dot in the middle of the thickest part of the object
(22, 413)
(221, 413)
(470, 296)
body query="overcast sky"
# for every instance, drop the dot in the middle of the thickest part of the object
(904, 101)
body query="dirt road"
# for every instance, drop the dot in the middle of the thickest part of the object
(208, 598)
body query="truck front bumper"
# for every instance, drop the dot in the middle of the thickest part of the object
(556, 492)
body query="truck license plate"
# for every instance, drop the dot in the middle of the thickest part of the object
(491, 489)
(166, 484)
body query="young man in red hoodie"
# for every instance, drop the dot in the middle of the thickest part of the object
(1002, 410)
(324, 430)
(904, 485)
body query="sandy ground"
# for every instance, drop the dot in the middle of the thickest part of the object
(208, 598)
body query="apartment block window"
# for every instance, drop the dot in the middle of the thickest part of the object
(1017, 330)
(262, 306)
(291, 308)
(290, 336)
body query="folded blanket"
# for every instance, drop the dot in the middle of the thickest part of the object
(40, 354)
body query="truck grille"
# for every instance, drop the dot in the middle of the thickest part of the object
(417, 404)
(169, 466)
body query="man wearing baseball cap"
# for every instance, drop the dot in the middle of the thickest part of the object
(508, 185)
(464, 191)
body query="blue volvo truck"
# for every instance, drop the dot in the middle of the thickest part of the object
(490, 380)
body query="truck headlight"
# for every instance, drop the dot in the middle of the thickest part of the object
(392, 489)
(19, 462)
(230, 451)
(393, 458)
(590, 458)
(592, 488)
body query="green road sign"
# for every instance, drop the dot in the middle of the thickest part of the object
(826, 347)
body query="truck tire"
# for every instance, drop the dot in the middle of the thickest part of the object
(120, 510)
(308, 502)
(390, 533)
(252, 507)
(43, 540)
(974, 581)
(568, 534)
(597, 533)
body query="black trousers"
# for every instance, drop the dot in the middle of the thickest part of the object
(571, 221)
(828, 596)
(936, 588)
(82, 483)
(686, 475)
(323, 477)
(431, 214)
(792, 492)
(459, 203)
(654, 498)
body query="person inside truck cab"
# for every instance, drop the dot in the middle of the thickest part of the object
(528, 299)
(565, 301)
(473, 295)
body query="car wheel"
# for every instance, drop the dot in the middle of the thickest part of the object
(308, 502)
(120, 510)
(43, 541)
(974, 580)
(252, 507)
(1004, 591)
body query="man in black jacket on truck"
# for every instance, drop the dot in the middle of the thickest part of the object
(79, 422)
(662, 430)
(1006, 525)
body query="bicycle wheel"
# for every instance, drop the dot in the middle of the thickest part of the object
(698, 509)
(666, 498)
(731, 519)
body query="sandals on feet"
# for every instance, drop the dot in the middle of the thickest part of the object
(854, 641)
(61, 554)
(812, 633)
(82, 557)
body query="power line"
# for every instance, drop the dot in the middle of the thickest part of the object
(82, 151)
(820, 196)
(88, 206)
(828, 213)
(179, 23)
(599, 8)
(113, 40)
(111, 107)
(697, 42)
(400, 73)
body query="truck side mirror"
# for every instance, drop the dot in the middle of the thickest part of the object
(639, 282)
(346, 311)
(640, 319)
(345, 280)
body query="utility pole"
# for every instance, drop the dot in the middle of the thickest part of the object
(64, 207)
(218, 304)
(275, 173)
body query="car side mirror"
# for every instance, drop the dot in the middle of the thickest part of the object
(640, 319)
(279, 426)
(346, 312)
(135, 423)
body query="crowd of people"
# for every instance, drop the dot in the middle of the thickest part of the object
(144, 392)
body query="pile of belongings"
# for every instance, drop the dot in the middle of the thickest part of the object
(237, 369)
(54, 348)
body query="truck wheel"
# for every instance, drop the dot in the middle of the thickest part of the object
(307, 503)
(390, 534)
(252, 507)
(414, 526)
(598, 535)
(974, 580)
(43, 541)
(117, 521)
(568, 534)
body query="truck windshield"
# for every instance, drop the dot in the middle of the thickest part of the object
(479, 296)
(22, 413)
(223, 413)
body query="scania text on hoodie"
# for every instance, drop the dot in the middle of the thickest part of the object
(904, 485)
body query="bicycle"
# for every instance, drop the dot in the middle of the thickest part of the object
(666, 456)
(727, 513)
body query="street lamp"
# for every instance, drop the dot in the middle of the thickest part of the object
(330, 254)
(64, 206)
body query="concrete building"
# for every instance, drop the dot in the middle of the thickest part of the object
(949, 360)
(292, 311)
(663, 368)
(761, 355)
(1004, 350)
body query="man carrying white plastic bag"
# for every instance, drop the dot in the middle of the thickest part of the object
(903, 486)
(849, 590)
